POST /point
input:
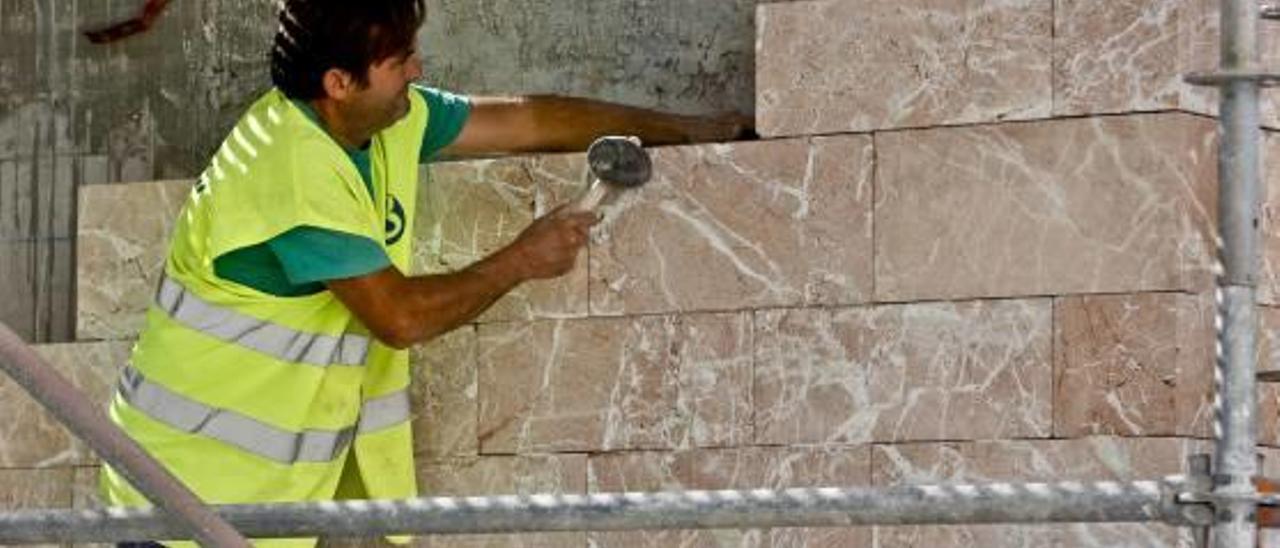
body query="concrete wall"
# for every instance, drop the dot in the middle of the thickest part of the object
(155, 106)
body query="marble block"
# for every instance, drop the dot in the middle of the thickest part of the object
(615, 383)
(739, 468)
(123, 241)
(1099, 205)
(85, 495)
(1133, 365)
(1085, 460)
(31, 437)
(1269, 362)
(1269, 235)
(743, 225)
(30, 489)
(468, 210)
(444, 396)
(1132, 55)
(828, 66)
(491, 476)
(935, 371)
(1201, 53)
(1270, 468)
(1269, 414)
(1125, 56)
(36, 489)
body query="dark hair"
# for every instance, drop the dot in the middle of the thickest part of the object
(317, 35)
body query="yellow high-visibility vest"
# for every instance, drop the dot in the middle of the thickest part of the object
(253, 398)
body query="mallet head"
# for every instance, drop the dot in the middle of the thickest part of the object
(619, 161)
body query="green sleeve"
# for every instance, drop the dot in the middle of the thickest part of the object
(449, 114)
(309, 254)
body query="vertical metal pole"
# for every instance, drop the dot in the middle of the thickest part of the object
(1235, 523)
(83, 418)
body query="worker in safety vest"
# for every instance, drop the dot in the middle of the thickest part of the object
(272, 367)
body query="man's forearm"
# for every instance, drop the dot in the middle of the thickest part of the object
(570, 123)
(439, 303)
(548, 123)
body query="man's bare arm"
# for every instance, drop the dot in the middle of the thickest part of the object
(402, 311)
(546, 123)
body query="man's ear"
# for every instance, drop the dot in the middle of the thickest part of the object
(338, 83)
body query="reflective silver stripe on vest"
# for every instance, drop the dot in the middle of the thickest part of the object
(274, 340)
(384, 412)
(230, 427)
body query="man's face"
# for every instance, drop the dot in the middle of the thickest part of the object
(385, 100)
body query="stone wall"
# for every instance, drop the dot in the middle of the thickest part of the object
(156, 105)
(974, 245)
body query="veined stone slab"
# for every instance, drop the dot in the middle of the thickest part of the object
(1268, 414)
(828, 66)
(31, 437)
(613, 383)
(444, 396)
(487, 476)
(86, 496)
(468, 210)
(85, 492)
(1111, 56)
(1089, 459)
(1201, 53)
(1269, 361)
(974, 370)
(1269, 241)
(36, 489)
(742, 468)
(124, 235)
(1131, 55)
(1133, 365)
(27, 489)
(1116, 204)
(1270, 468)
(23, 489)
(743, 225)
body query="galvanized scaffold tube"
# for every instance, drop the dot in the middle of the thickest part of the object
(1238, 212)
(82, 416)
(1098, 502)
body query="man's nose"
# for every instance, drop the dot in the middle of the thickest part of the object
(413, 69)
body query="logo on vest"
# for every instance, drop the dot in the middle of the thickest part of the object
(395, 220)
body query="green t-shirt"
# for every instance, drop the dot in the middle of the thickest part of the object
(299, 261)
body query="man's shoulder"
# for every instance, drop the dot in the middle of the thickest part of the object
(277, 126)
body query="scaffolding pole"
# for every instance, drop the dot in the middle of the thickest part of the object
(1077, 502)
(1235, 433)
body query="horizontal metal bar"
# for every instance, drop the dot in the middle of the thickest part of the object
(1221, 78)
(1270, 11)
(1141, 501)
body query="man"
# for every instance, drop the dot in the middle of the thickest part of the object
(272, 367)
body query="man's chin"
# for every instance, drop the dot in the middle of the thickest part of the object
(402, 110)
